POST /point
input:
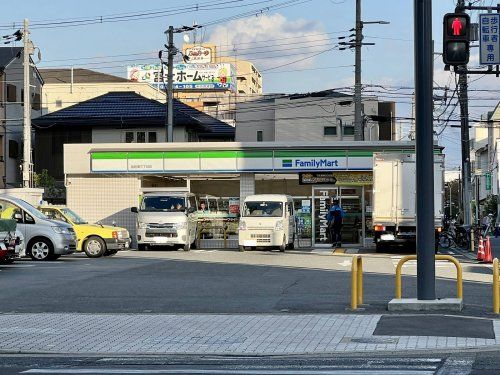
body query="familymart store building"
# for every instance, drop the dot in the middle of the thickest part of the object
(104, 180)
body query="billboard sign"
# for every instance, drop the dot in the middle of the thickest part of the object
(220, 76)
(489, 39)
(199, 54)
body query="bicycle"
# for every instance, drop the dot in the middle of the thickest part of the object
(459, 236)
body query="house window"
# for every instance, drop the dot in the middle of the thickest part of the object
(22, 96)
(141, 137)
(36, 103)
(152, 137)
(348, 130)
(129, 137)
(260, 136)
(13, 149)
(11, 93)
(330, 130)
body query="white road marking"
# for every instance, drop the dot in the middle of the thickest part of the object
(346, 263)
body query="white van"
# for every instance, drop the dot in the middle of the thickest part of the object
(166, 219)
(267, 220)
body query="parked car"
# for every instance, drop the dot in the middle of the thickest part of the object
(45, 239)
(95, 240)
(267, 220)
(166, 219)
(10, 241)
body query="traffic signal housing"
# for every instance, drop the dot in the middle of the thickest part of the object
(456, 38)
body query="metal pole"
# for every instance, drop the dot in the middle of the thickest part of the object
(170, 86)
(27, 108)
(464, 130)
(358, 123)
(426, 272)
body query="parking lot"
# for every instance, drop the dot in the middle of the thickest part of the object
(222, 281)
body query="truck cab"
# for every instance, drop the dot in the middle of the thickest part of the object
(166, 219)
(267, 220)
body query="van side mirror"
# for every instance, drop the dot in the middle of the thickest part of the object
(134, 210)
(18, 216)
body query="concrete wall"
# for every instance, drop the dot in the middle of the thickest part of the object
(253, 116)
(32, 196)
(105, 199)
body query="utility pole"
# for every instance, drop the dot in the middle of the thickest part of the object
(170, 85)
(27, 108)
(357, 44)
(424, 138)
(358, 121)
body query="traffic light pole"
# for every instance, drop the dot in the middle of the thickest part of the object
(358, 120)
(426, 272)
(465, 140)
(170, 85)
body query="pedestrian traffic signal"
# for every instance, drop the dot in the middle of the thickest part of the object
(456, 38)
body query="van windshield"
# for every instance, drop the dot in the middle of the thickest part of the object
(263, 209)
(163, 203)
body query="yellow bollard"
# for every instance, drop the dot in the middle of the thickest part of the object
(356, 282)
(449, 258)
(496, 287)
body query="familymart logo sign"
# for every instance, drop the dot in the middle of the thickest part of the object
(311, 163)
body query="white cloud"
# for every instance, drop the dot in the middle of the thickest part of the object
(271, 40)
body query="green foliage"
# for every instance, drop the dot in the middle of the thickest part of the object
(44, 179)
(490, 205)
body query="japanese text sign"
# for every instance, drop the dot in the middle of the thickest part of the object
(489, 38)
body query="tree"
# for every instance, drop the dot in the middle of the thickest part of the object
(44, 179)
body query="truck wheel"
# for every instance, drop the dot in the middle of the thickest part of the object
(241, 248)
(40, 249)
(141, 247)
(283, 245)
(94, 247)
(187, 247)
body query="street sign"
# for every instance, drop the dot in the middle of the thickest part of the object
(489, 39)
(488, 181)
(456, 31)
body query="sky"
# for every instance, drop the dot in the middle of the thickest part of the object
(293, 43)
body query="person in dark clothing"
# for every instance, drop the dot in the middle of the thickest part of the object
(335, 217)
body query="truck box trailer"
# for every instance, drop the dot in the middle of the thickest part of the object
(395, 203)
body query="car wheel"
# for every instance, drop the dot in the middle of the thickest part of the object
(141, 247)
(186, 247)
(40, 249)
(94, 247)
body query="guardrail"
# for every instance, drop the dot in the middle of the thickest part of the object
(496, 287)
(437, 257)
(356, 282)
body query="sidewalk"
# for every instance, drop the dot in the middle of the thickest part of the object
(263, 334)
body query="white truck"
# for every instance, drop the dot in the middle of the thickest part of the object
(394, 205)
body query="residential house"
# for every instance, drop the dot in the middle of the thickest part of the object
(12, 111)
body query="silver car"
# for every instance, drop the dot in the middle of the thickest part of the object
(45, 239)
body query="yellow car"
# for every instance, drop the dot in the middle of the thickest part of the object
(95, 239)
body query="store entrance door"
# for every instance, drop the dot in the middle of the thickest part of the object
(351, 200)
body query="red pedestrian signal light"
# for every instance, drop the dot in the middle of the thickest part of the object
(456, 38)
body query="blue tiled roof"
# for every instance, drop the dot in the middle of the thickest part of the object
(7, 54)
(130, 108)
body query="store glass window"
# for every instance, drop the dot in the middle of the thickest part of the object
(152, 137)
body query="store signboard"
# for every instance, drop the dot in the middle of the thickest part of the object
(336, 178)
(199, 54)
(220, 76)
(315, 165)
